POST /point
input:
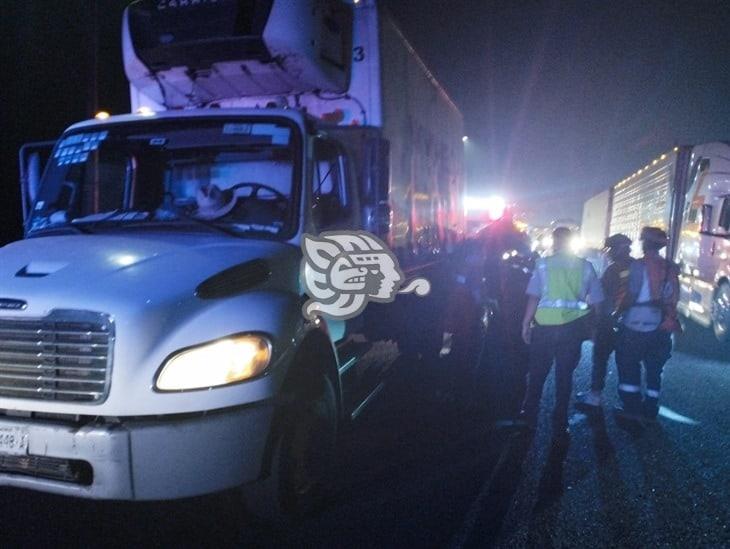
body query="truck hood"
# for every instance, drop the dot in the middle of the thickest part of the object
(146, 284)
(92, 271)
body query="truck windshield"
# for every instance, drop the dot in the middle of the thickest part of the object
(236, 176)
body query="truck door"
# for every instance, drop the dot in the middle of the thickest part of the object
(708, 215)
(333, 194)
(335, 205)
(714, 233)
(689, 240)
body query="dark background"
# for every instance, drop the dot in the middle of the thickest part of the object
(53, 78)
(564, 98)
(561, 99)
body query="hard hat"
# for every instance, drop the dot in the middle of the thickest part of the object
(617, 241)
(655, 235)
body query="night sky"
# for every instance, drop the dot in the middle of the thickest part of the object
(560, 99)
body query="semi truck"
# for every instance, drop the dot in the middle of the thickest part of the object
(152, 341)
(686, 192)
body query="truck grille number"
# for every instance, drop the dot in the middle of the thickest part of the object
(65, 356)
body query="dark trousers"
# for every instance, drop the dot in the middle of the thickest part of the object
(504, 363)
(563, 345)
(652, 349)
(603, 345)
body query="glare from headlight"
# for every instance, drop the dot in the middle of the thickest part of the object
(215, 364)
(577, 244)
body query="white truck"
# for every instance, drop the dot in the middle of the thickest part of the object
(685, 191)
(152, 343)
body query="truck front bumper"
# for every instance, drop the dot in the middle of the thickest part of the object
(138, 459)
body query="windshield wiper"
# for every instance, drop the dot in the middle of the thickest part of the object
(208, 224)
(111, 216)
(49, 231)
(80, 226)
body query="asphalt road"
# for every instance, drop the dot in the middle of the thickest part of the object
(428, 468)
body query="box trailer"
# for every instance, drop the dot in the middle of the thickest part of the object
(596, 216)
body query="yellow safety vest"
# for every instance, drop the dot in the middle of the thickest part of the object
(564, 289)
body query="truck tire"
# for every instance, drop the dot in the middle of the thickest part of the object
(721, 312)
(303, 452)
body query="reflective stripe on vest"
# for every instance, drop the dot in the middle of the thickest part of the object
(555, 306)
(563, 304)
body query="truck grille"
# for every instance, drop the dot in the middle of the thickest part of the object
(65, 356)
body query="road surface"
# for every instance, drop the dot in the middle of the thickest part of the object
(428, 468)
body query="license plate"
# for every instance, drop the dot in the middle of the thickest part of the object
(13, 440)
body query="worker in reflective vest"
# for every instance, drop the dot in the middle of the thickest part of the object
(649, 317)
(614, 281)
(561, 294)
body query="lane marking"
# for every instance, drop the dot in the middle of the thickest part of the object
(368, 400)
(475, 510)
(674, 416)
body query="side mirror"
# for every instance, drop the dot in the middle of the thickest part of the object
(706, 225)
(32, 158)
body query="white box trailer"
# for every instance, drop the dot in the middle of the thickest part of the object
(152, 341)
(596, 217)
(686, 192)
(652, 196)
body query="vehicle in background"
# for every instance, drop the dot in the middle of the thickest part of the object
(686, 192)
(595, 223)
(152, 343)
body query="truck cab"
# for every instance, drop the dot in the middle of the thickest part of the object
(152, 341)
(704, 243)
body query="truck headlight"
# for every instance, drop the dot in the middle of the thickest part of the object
(221, 362)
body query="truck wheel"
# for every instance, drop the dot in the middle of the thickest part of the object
(721, 312)
(302, 457)
(308, 448)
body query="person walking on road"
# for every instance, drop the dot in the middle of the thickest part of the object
(561, 293)
(482, 326)
(614, 283)
(649, 318)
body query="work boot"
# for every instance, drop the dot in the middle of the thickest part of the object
(631, 403)
(589, 401)
(650, 409)
(628, 414)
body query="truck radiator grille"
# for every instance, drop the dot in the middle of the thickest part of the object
(65, 356)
